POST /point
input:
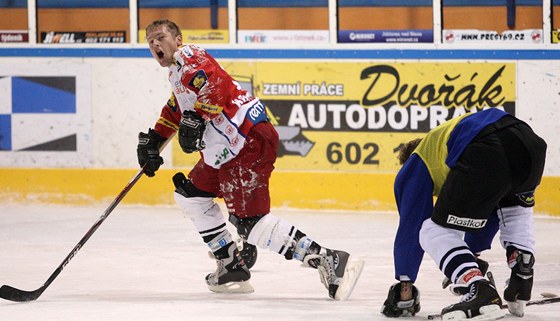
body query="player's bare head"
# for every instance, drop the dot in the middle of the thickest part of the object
(408, 149)
(171, 26)
(163, 37)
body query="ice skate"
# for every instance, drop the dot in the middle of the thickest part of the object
(480, 302)
(337, 272)
(248, 252)
(231, 275)
(518, 289)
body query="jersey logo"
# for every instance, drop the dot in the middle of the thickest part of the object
(527, 198)
(221, 156)
(166, 123)
(172, 104)
(256, 113)
(465, 222)
(198, 80)
(207, 108)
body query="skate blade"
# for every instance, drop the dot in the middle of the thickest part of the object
(517, 308)
(351, 275)
(232, 287)
(487, 313)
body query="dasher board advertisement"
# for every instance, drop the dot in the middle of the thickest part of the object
(355, 116)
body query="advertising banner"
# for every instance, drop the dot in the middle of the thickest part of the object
(484, 36)
(13, 36)
(197, 36)
(285, 37)
(354, 116)
(83, 37)
(45, 116)
(555, 36)
(389, 36)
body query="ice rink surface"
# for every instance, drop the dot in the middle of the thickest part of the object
(149, 264)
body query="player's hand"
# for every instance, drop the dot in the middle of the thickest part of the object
(148, 151)
(191, 130)
(403, 300)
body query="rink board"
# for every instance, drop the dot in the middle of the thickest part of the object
(304, 190)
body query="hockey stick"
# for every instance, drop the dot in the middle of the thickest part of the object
(546, 300)
(10, 293)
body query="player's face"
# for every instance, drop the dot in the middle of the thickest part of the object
(163, 45)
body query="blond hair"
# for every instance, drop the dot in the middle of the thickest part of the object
(171, 26)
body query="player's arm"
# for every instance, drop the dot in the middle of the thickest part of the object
(149, 143)
(168, 122)
(414, 197)
(413, 194)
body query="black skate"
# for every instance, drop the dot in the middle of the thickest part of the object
(338, 274)
(231, 275)
(518, 289)
(248, 252)
(481, 302)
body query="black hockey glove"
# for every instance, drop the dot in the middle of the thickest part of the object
(148, 151)
(393, 307)
(191, 130)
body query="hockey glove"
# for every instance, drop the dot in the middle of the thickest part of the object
(393, 307)
(191, 130)
(148, 151)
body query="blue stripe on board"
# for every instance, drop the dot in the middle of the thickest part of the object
(33, 97)
(507, 54)
(5, 132)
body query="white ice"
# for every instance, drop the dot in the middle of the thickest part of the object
(147, 263)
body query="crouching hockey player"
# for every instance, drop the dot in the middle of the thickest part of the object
(483, 168)
(214, 116)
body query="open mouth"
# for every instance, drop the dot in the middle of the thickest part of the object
(159, 54)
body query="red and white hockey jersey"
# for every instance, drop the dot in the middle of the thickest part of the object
(199, 83)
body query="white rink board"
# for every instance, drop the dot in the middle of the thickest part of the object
(127, 95)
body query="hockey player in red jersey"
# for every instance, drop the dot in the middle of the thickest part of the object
(484, 168)
(215, 117)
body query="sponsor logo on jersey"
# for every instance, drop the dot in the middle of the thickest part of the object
(256, 113)
(527, 198)
(179, 89)
(465, 222)
(207, 108)
(166, 123)
(198, 80)
(172, 103)
(221, 157)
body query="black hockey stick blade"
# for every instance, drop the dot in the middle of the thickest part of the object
(546, 300)
(10, 293)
